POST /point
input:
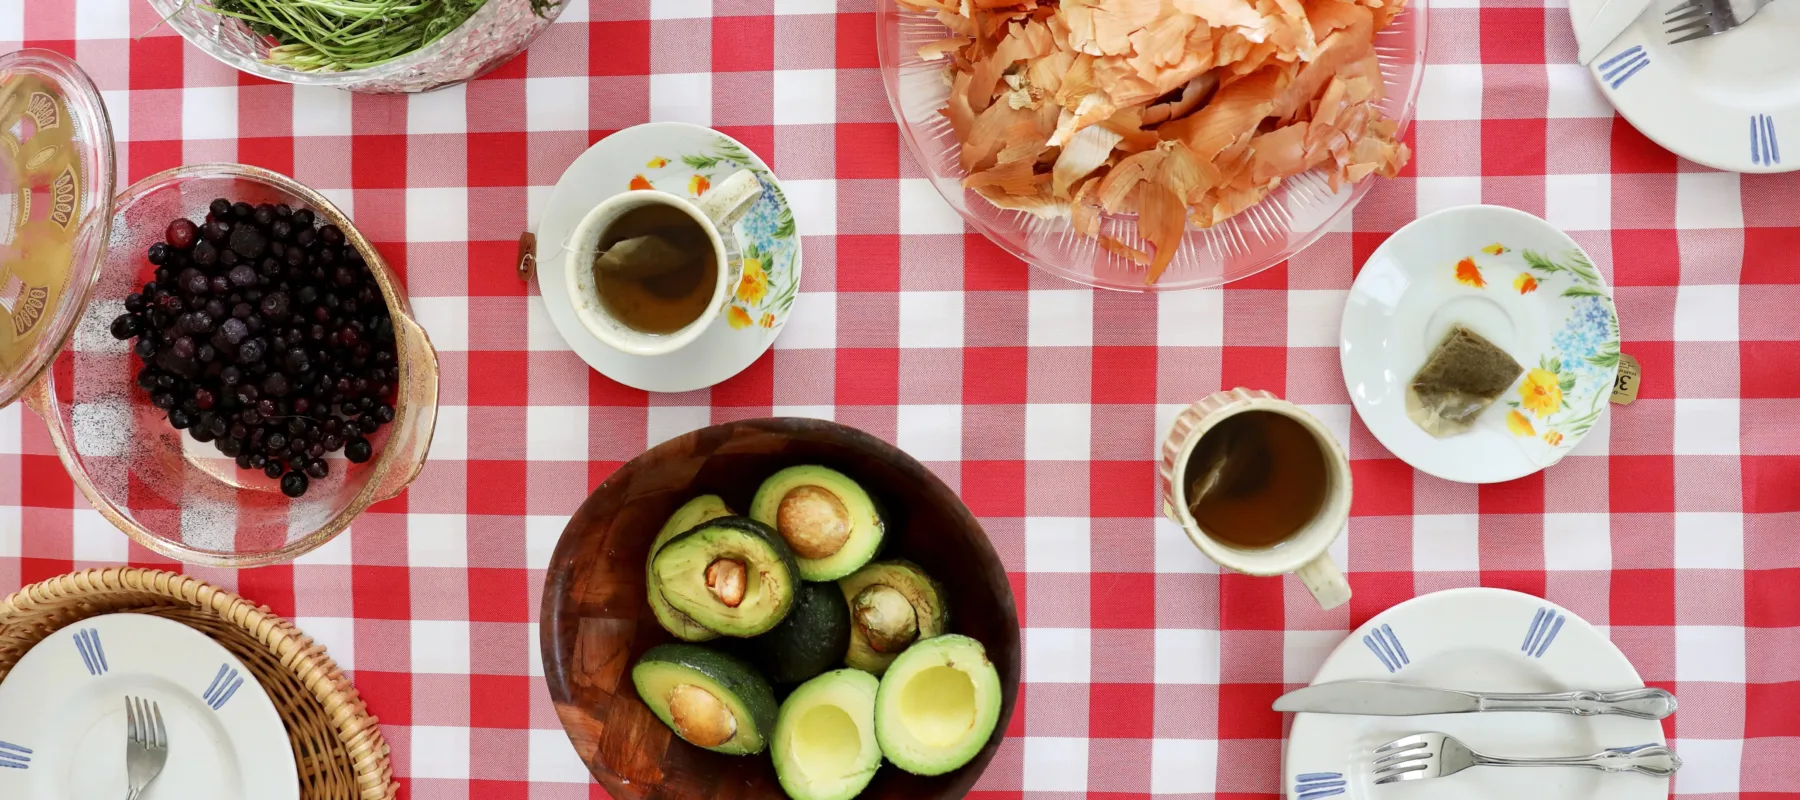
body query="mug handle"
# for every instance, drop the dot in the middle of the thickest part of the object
(728, 201)
(1326, 582)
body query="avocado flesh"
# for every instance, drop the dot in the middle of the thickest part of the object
(704, 508)
(708, 698)
(731, 575)
(938, 705)
(881, 627)
(812, 639)
(825, 747)
(833, 526)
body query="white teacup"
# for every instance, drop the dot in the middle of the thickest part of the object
(715, 212)
(1303, 552)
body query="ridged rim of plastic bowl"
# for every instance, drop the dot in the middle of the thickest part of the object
(179, 14)
(1205, 257)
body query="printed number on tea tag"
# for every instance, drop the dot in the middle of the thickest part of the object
(1625, 387)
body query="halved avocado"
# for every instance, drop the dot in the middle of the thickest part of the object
(832, 525)
(824, 745)
(704, 508)
(811, 640)
(711, 699)
(732, 575)
(938, 704)
(892, 605)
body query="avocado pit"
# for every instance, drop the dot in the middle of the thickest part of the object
(885, 618)
(727, 579)
(700, 717)
(814, 521)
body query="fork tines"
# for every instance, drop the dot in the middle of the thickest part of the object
(1395, 760)
(1697, 19)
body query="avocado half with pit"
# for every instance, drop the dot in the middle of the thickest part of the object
(812, 639)
(824, 745)
(892, 605)
(711, 699)
(830, 522)
(937, 706)
(731, 575)
(704, 508)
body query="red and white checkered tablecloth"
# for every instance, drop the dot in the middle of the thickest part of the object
(1675, 526)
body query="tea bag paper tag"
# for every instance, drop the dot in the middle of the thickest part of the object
(1625, 386)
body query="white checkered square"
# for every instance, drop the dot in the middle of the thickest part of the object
(1706, 313)
(1438, 193)
(805, 96)
(102, 19)
(440, 646)
(1706, 427)
(1187, 656)
(796, 7)
(1708, 200)
(556, 104)
(1578, 202)
(668, 422)
(11, 531)
(1574, 94)
(442, 111)
(1057, 431)
(10, 430)
(812, 325)
(333, 553)
(437, 215)
(930, 432)
(1190, 319)
(12, 21)
(682, 97)
(923, 210)
(439, 751)
(1713, 653)
(450, 438)
(1304, 652)
(552, 760)
(542, 532)
(556, 433)
(1058, 655)
(1184, 766)
(541, 334)
(322, 111)
(209, 112)
(931, 319)
(1447, 543)
(1061, 318)
(445, 319)
(437, 540)
(96, 539)
(1709, 540)
(814, 203)
(681, 9)
(1055, 763)
(1450, 92)
(1314, 317)
(1058, 544)
(1176, 553)
(337, 634)
(1712, 767)
(1577, 542)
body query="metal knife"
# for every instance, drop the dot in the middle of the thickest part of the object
(1608, 22)
(1381, 699)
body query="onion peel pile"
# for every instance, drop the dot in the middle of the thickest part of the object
(1178, 111)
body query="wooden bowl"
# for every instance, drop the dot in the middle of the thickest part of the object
(597, 621)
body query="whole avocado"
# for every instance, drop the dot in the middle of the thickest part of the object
(811, 640)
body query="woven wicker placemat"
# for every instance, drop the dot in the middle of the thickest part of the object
(338, 747)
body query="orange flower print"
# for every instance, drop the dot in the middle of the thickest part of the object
(767, 321)
(1519, 424)
(1468, 274)
(640, 182)
(1552, 438)
(1541, 393)
(1495, 249)
(698, 185)
(738, 317)
(1525, 283)
(755, 283)
(657, 163)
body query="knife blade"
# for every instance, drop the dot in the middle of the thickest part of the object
(1609, 21)
(1382, 699)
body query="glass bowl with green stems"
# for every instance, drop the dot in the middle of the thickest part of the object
(494, 33)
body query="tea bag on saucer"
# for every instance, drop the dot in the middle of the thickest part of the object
(1461, 378)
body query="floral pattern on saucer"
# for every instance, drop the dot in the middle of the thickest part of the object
(766, 233)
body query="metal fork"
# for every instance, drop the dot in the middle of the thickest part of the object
(1436, 755)
(1698, 19)
(146, 745)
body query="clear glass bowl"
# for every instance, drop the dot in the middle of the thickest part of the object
(1286, 222)
(497, 31)
(177, 496)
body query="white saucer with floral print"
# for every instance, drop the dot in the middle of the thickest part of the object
(684, 160)
(1520, 283)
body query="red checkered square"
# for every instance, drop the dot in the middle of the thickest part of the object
(1245, 713)
(1123, 600)
(1120, 711)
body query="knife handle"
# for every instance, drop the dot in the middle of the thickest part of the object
(1644, 703)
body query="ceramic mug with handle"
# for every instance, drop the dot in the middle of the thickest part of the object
(715, 212)
(1303, 552)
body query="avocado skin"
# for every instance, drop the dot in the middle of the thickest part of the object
(733, 674)
(812, 639)
(746, 527)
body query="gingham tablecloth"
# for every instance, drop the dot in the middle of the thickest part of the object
(1675, 526)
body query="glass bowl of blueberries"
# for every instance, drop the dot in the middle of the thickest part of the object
(246, 378)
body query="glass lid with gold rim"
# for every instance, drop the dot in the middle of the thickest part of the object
(56, 193)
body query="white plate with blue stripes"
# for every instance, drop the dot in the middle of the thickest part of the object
(1486, 640)
(1731, 101)
(62, 716)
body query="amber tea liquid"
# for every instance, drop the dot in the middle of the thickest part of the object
(1255, 479)
(669, 301)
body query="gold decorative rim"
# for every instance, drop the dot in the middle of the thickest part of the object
(338, 747)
